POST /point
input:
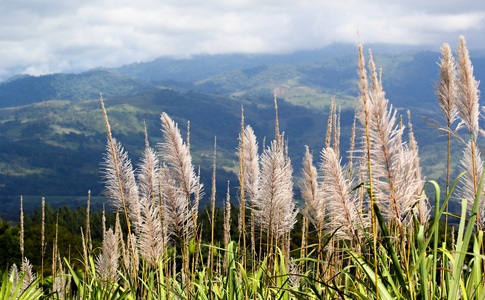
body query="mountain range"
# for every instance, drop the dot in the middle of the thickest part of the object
(52, 133)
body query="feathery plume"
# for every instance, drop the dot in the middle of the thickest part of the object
(468, 108)
(328, 139)
(342, 205)
(468, 190)
(406, 186)
(14, 274)
(334, 123)
(114, 163)
(180, 182)
(312, 192)
(175, 154)
(118, 230)
(386, 144)
(423, 209)
(446, 89)
(376, 83)
(364, 119)
(188, 137)
(277, 124)
(133, 260)
(363, 87)
(336, 144)
(124, 251)
(177, 212)
(393, 178)
(29, 274)
(251, 163)
(151, 236)
(468, 93)
(227, 218)
(352, 147)
(227, 223)
(242, 182)
(119, 178)
(274, 210)
(107, 262)
(148, 172)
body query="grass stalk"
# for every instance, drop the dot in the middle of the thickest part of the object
(365, 108)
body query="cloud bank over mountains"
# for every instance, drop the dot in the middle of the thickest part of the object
(41, 37)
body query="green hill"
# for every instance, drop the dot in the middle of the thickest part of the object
(54, 148)
(53, 143)
(31, 89)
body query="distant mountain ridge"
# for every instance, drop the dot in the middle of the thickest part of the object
(51, 126)
(200, 67)
(309, 76)
(88, 85)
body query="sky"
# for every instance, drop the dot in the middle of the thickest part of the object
(52, 36)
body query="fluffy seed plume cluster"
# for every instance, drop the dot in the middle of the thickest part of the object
(345, 213)
(275, 211)
(121, 187)
(16, 275)
(160, 199)
(269, 185)
(458, 98)
(332, 204)
(312, 191)
(468, 109)
(394, 164)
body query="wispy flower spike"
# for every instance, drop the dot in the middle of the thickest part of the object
(152, 240)
(446, 88)
(275, 212)
(312, 192)
(148, 174)
(107, 261)
(176, 155)
(120, 182)
(468, 188)
(468, 108)
(176, 209)
(423, 210)
(342, 205)
(227, 218)
(468, 92)
(29, 274)
(251, 163)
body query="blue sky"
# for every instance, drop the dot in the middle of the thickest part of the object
(49, 36)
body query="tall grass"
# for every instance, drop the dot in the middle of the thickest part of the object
(372, 234)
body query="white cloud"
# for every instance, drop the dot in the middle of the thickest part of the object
(60, 36)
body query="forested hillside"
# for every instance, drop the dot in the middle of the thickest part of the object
(53, 144)
(24, 90)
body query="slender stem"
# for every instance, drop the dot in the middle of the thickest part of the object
(242, 209)
(447, 181)
(213, 202)
(474, 170)
(372, 203)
